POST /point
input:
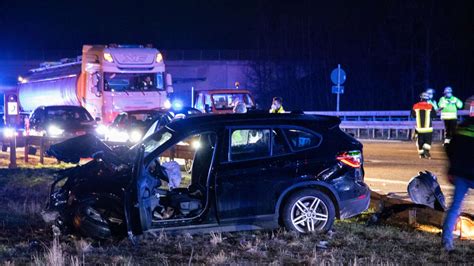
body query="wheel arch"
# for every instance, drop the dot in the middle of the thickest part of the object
(317, 185)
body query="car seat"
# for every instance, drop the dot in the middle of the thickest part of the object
(189, 202)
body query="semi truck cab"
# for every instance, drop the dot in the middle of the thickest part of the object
(105, 79)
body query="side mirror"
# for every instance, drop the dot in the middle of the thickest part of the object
(97, 119)
(169, 83)
(207, 108)
(97, 81)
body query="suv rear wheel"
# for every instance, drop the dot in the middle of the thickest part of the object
(307, 211)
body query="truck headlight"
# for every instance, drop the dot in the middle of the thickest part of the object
(167, 104)
(55, 131)
(108, 57)
(159, 58)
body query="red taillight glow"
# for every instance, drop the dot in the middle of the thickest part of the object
(351, 158)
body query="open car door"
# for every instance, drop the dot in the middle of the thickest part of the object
(139, 199)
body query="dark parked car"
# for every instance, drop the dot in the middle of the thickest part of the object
(250, 171)
(61, 121)
(131, 126)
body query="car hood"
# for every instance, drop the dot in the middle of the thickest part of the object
(85, 146)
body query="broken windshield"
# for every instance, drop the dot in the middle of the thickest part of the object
(156, 140)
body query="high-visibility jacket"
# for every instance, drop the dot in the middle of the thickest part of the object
(424, 113)
(435, 105)
(450, 107)
(277, 111)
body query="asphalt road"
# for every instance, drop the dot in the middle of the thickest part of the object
(389, 166)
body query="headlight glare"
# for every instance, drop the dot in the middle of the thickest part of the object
(55, 131)
(135, 136)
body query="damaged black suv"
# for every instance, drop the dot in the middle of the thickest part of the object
(249, 171)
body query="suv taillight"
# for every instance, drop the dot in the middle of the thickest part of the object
(350, 158)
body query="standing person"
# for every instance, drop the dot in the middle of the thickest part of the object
(240, 108)
(423, 111)
(449, 105)
(461, 174)
(277, 107)
(431, 92)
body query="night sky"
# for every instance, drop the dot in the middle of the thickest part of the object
(396, 46)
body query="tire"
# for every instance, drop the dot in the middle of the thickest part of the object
(100, 217)
(307, 211)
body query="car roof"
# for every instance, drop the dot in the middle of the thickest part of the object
(217, 91)
(58, 107)
(150, 111)
(251, 119)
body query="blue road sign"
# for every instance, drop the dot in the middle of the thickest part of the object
(338, 76)
(337, 89)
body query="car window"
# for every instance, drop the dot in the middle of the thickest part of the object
(117, 119)
(249, 143)
(156, 141)
(300, 139)
(68, 115)
(36, 117)
(279, 143)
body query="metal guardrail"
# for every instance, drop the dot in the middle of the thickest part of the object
(386, 124)
(403, 115)
(33, 145)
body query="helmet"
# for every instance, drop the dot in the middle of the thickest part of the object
(424, 96)
(430, 91)
(448, 90)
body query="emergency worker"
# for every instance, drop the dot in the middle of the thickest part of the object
(461, 174)
(431, 93)
(423, 111)
(449, 105)
(277, 107)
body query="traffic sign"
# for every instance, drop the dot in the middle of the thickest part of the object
(12, 108)
(337, 89)
(338, 76)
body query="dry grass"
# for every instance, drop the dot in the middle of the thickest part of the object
(216, 238)
(22, 233)
(220, 258)
(55, 256)
(27, 207)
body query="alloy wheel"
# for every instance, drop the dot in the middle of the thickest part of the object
(309, 214)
